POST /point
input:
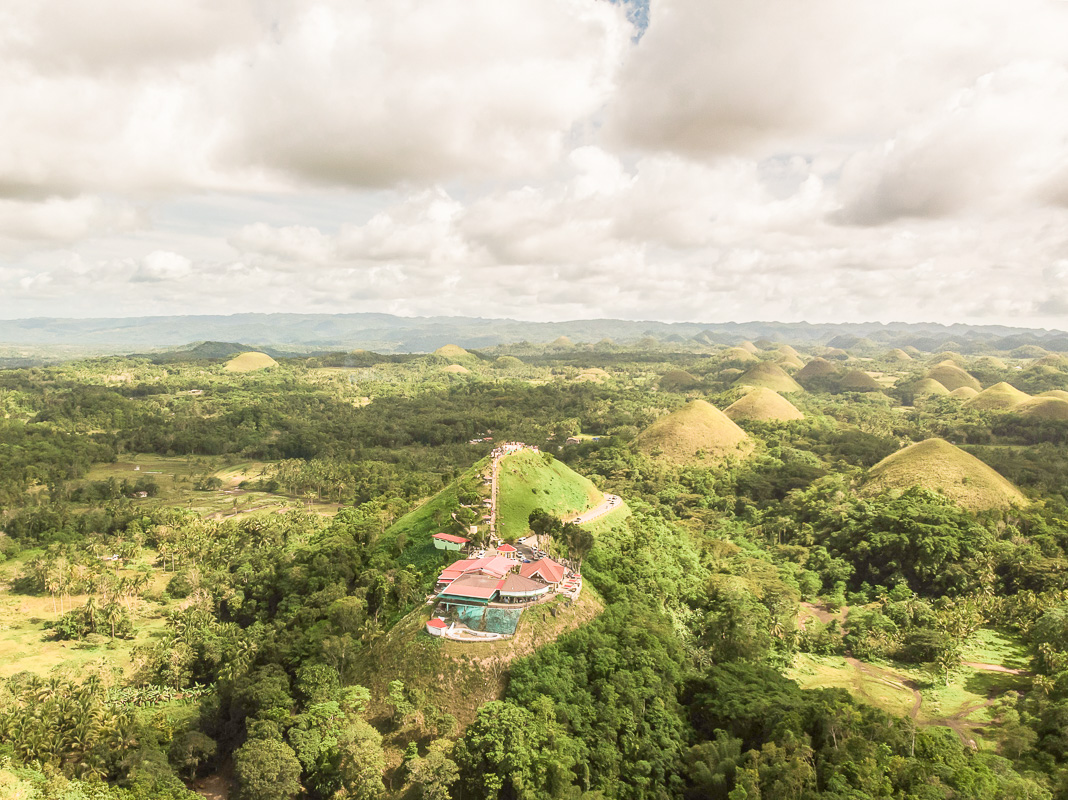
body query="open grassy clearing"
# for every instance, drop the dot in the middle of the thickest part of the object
(177, 475)
(26, 644)
(964, 704)
(989, 646)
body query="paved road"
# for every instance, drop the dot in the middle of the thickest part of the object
(611, 503)
(493, 497)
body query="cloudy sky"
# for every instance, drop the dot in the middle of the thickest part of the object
(705, 160)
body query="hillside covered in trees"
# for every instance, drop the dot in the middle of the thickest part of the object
(215, 580)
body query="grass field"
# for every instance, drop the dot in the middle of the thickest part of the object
(26, 643)
(526, 482)
(964, 704)
(176, 476)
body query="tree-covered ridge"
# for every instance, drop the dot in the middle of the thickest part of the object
(237, 633)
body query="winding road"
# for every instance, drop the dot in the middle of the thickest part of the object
(611, 503)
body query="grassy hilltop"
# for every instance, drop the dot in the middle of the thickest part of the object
(528, 481)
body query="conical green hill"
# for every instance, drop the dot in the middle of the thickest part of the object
(953, 377)
(697, 430)
(528, 480)
(929, 387)
(749, 347)
(936, 464)
(250, 362)
(457, 369)
(1029, 351)
(1060, 393)
(768, 376)
(451, 351)
(1044, 408)
(857, 381)
(785, 348)
(789, 361)
(677, 380)
(817, 368)
(964, 393)
(897, 354)
(990, 362)
(1052, 360)
(999, 397)
(737, 354)
(951, 356)
(763, 405)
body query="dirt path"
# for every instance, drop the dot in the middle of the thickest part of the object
(958, 722)
(217, 786)
(822, 613)
(995, 668)
(889, 678)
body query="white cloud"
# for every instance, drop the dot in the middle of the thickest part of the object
(25, 224)
(160, 265)
(991, 147)
(198, 95)
(712, 76)
(825, 159)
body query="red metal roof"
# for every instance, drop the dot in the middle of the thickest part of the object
(517, 585)
(448, 537)
(545, 568)
(480, 587)
(498, 566)
(436, 623)
(505, 548)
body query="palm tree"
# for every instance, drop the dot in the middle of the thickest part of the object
(113, 615)
(92, 607)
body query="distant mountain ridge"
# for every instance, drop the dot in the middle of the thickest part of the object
(386, 333)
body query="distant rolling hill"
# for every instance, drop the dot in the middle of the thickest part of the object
(390, 334)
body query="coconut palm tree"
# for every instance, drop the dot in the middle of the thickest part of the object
(113, 615)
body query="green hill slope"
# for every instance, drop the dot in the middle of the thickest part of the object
(763, 405)
(769, 376)
(457, 677)
(526, 482)
(953, 377)
(696, 428)
(999, 397)
(936, 464)
(250, 362)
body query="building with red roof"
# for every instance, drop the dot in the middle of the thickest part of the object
(507, 551)
(447, 541)
(496, 566)
(544, 568)
(517, 589)
(435, 626)
(471, 589)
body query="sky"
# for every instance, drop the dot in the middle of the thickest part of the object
(680, 160)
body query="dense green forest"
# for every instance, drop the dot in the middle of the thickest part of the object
(215, 581)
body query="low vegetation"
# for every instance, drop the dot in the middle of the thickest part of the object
(216, 581)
